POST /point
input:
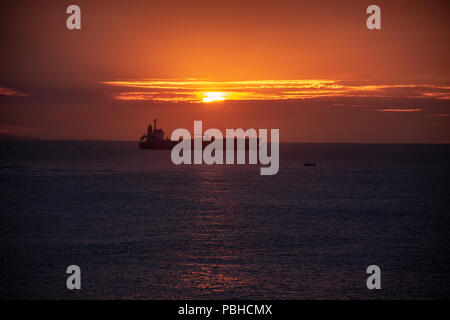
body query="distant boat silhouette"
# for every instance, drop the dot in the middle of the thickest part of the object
(309, 164)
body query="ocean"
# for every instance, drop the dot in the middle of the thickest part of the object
(140, 227)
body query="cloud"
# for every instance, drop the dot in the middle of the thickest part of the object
(194, 91)
(18, 131)
(438, 115)
(11, 92)
(399, 110)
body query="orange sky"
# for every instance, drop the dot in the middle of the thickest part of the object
(310, 68)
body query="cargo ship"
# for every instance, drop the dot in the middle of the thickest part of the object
(154, 139)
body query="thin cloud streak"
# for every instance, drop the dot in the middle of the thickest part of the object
(18, 131)
(11, 92)
(399, 110)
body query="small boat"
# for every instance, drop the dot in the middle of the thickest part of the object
(309, 164)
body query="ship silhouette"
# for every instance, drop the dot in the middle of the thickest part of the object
(154, 139)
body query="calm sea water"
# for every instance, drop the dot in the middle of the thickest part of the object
(140, 227)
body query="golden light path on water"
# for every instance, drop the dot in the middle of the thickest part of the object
(198, 91)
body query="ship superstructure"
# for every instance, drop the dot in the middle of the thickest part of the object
(154, 138)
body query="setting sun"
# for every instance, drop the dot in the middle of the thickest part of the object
(214, 96)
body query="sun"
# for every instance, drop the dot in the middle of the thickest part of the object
(214, 96)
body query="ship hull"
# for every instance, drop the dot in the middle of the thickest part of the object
(157, 145)
(168, 144)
